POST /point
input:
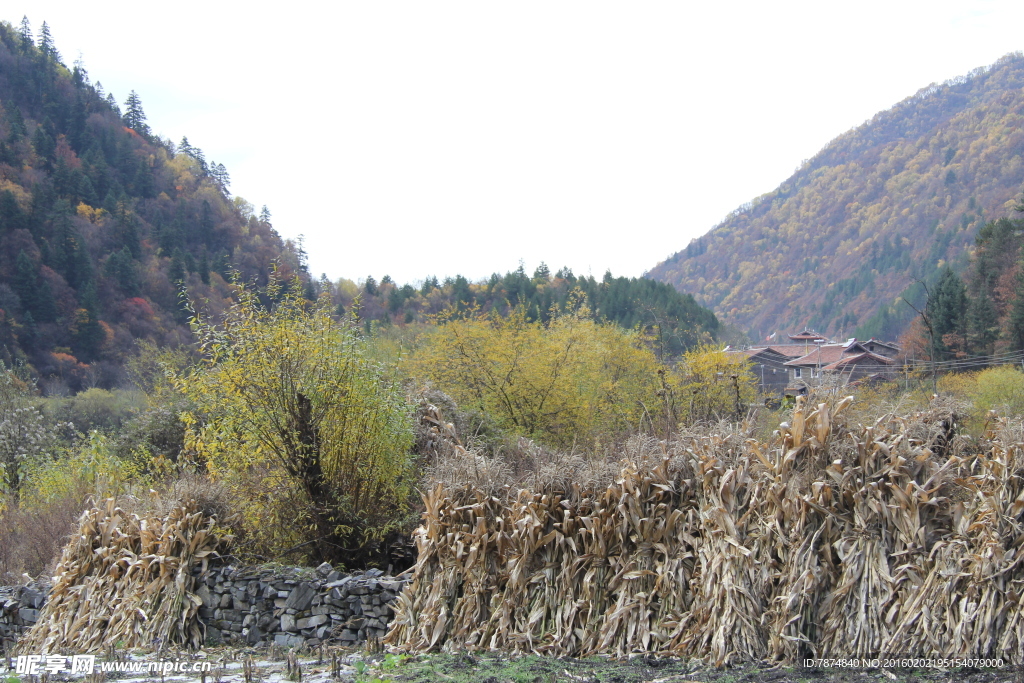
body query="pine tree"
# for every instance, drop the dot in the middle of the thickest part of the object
(16, 123)
(134, 117)
(221, 176)
(127, 227)
(1015, 328)
(176, 273)
(25, 30)
(145, 186)
(46, 45)
(26, 282)
(206, 220)
(982, 324)
(947, 312)
(46, 308)
(43, 143)
(11, 215)
(112, 103)
(122, 269)
(80, 75)
(88, 334)
(204, 267)
(265, 215)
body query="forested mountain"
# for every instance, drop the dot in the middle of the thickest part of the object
(102, 223)
(880, 207)
(103, 226)
(675, 320)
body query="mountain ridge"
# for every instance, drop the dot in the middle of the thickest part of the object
(878, 208)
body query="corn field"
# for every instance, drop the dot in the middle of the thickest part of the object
(896, 538)
(126, 580)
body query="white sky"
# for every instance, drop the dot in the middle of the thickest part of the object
(434, 138)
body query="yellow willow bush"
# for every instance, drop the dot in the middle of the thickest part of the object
(313, 436)
(1000, 388)
(710, 385)
(571, 381)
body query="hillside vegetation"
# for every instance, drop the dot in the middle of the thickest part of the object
(884, 204)
(102, 223)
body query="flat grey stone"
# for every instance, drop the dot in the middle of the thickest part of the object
(301, 597)
(288, 622)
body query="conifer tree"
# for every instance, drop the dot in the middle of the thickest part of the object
(134, 117)
(16, 122)
(88, 334)
(26, 282)
(221, 176)
(11, 215)
(1016, 319)
(947, 311)
(982, 324)
(46, 45)
(122, 268)
(176, 273)
(25, 30)
(204, 267)
(184, 147)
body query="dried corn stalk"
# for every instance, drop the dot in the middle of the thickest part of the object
(826, 541)
(128, 581)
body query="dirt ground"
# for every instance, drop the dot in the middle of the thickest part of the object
(488, 668)
(231, 665)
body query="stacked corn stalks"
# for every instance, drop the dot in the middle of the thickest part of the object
(127, 581)
(827, 541)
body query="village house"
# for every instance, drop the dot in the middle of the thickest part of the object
(791, 368)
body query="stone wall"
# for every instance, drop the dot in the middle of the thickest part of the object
(294, 607)
(19, 609)
(274, 605)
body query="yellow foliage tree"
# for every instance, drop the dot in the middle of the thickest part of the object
(314, 436)
(568, 382)
(709, 384)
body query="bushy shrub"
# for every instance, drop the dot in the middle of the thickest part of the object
(571, 381)
(95, 409)
(313, 436)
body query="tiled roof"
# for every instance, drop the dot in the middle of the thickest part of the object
(791, 350)
(822, 355)
(806, 334)
(857, 358)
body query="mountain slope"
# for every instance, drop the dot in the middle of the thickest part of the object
(102, 222)
(881, 206)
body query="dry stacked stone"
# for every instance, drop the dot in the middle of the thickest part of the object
(19, 609)
(273, 605)
(294, 607)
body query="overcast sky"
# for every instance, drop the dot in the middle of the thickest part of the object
(434, 138)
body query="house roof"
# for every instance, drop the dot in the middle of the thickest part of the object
(891, 345)
(791, 350)
(767, 353)
(823, 355)
(847, 361)
(806, 335)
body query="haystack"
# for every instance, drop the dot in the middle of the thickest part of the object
(128, 581)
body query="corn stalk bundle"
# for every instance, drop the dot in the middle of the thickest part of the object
(128, 581)
(827, 540)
